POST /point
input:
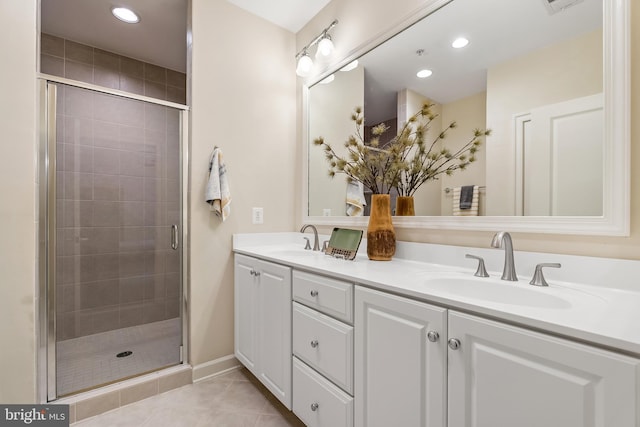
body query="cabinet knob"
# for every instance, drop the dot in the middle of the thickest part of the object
(314, 343)
(314, 406)
(314, 293)
(433, 336)
(254, 272)
(454, 343)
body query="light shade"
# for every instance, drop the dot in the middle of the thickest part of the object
(350, 66)
(125, 15)
(304, 65)
(328, 79)
(424, 73)
(325, 47)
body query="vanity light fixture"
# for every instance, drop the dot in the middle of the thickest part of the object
(423, 74)
(350, 66)
(304, 64)
(324, 49)
(459, 43)
(125, 15)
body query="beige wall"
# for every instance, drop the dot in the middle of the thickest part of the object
(469, 114)
(243, 100)
(517, 86)
(359, 22)
(17, 208)
(427, 198)
(330, 108)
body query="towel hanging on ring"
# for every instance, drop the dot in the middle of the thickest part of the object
(217, 193)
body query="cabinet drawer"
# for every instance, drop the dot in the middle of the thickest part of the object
(330, 296)
(325, 344)
(317, 402)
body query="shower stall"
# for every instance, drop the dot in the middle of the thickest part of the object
(110, 235)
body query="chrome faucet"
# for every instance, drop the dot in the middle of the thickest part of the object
(503, 240)
(316, 242)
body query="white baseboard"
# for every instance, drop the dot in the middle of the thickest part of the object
(215, 367)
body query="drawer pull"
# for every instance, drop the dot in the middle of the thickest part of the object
(314, 343)
(314, 406)
(314, 293)
(454, 343)
(433, 336)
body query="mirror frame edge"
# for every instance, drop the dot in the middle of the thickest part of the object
(615, 220)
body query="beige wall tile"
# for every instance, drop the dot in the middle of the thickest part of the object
(131, 289)
(155, 73)
(106, 161)
(130, 315)
(52, 65)
(177, 94)
(106, 60)
(106, 213)
(78, 71)
(106, 187)
(155, 89)
(78, 52)
(153, 311)
(106, 77)
(106, 266)
(131, 84)
(52, 45)
(176, 78)
(106, 319)
(132, 67)
(132, 264)
(138, 392)
(176, 380)
(131, 188)
(97, 405)
(131, 214)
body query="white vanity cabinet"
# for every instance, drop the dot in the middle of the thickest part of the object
(400, 361)
(505, 376)
(322, 350)
(263, 322)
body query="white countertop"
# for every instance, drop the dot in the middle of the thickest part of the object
(606, 314)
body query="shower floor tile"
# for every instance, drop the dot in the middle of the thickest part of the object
(91, 360)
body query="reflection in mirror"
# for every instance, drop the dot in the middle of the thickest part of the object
(532, 75)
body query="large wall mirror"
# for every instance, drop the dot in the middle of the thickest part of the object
(549, 78)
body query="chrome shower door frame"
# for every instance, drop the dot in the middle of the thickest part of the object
(46, 227)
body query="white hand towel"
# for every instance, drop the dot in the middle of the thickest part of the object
(355, 198)
(217, 193)
(473, 211)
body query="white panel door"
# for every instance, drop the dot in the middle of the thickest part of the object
(274, 329)
(504, 376)
(400, 376)
(563, 158)
(245, 308)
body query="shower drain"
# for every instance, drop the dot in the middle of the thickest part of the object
(124, 354)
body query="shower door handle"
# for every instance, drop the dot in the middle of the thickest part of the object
(174, 237)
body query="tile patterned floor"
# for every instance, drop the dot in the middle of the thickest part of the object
(235, 399)
(91, 360)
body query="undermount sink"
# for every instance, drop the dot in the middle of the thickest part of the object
(502, 292)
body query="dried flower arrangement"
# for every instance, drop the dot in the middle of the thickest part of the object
(405, 163)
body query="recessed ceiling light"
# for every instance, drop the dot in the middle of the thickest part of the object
(125, 15)
(460, 42)
(424, 73)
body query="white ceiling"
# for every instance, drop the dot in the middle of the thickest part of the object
(161, 36)
(498, 30)
(289, 14)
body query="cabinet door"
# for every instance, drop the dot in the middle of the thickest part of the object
(504, 376)
(274, 329)
(245, 308)
(400, 376)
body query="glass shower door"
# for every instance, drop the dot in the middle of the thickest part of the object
(117, 216)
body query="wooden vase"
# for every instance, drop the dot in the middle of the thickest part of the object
(404, 206)
(381, 238)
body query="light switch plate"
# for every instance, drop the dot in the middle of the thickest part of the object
(257, 216)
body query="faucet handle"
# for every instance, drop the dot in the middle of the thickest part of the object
(538, 277)
(480, 271)
(307, 247)
(325, 245)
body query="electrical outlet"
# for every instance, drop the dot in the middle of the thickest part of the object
(257, 216)
(326, 212)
